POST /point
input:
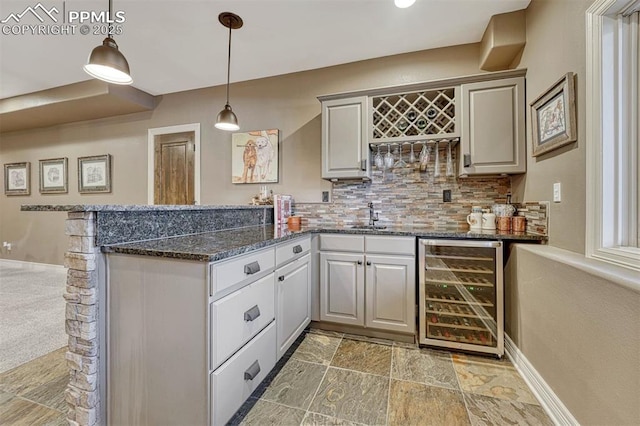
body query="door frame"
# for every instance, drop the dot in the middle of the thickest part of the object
(151, 140)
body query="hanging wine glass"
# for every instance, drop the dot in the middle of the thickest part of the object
(412, 155)
(400, 163)
(425, 157)
(388, 158)
(436, 171)
(449, 161)
(378, 160)
(423, 152)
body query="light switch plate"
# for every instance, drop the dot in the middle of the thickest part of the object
(557, 192)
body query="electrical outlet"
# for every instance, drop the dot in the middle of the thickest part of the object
(325, 196)
(557, 192)
(446, 196)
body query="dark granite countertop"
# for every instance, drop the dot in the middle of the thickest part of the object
(218, 245)
(127, 208)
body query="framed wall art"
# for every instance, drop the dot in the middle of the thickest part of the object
(17, 178)
(254, 156)
(53, 176)
(553, 116)
(94, 174)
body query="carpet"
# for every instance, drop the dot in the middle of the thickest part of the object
(32, 311)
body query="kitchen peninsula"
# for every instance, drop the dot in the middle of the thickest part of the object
(108, 243)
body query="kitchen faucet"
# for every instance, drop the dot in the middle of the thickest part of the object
(373, 218)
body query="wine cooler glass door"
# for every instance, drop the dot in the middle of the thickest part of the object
(461, 294)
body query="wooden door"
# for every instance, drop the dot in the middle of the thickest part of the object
(174, 169)
(342, 288)
(391, 293)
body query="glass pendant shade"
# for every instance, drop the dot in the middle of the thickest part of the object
(227, 120)
(404, 3)
(108, 64)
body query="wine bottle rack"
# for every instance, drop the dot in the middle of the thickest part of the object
(409, 116)
(461, 295)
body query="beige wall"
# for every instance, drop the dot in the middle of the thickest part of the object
(581, 333)
(285, 102)
(555, 46)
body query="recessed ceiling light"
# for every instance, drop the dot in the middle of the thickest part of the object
(402, 4)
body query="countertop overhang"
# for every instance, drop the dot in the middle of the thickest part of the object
(219, 245)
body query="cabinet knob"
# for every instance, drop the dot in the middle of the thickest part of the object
(251, 372)
(368, 263)
(281, 278)
(359, 262)
(297, 249)
(252, 314)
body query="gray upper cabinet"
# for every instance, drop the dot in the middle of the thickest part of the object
(493, 127)
(344, 139)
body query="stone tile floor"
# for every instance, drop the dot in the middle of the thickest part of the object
(333, 379)
(33, 393)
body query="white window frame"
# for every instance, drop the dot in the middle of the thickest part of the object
(612, 215)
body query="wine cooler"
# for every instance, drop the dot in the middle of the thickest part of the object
(461, 295)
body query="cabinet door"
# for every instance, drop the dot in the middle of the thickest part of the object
(293, 301)
(391, 293)
(344, 139)
(342, 288)
(493, 127)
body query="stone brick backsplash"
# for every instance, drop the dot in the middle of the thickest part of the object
(407, 197)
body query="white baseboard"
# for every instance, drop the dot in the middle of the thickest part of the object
(549, 401)
(31, 265)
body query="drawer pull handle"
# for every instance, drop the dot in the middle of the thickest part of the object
(281, 278)
(252, 371)
(252, 268)
(252, 314)
(297, 249)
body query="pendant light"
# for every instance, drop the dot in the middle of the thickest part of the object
(403, 4)
(107, 63)
(227, 120)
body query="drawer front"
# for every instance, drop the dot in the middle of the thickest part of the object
(290, 250)
(351, 243)
(227, 274)
(231, 384)
(236, 318)
(390, 245)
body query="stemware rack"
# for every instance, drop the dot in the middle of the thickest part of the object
(406, 146)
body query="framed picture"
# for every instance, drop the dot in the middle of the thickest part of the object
(254, 156)
(94, 174)
(53, 176)
(17, 178)
(553, 116)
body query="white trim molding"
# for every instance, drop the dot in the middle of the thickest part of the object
(611, 233)
(182, 128)
(549, 401)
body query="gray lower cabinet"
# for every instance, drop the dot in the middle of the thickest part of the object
(368, 281)
(293, 292)
(345, 150)
(493, 127)
(188, 342)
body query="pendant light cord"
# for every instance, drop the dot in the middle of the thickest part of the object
(109, 33)
(228, 60)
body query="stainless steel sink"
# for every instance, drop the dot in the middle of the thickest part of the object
(371, 227)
